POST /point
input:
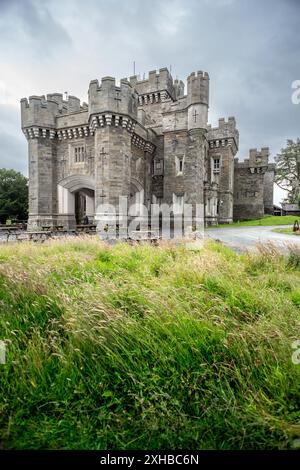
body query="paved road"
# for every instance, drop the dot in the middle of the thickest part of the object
(246, 238)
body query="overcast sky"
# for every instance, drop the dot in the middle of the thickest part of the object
(251, 50)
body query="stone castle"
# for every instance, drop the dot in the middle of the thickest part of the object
(147, 140)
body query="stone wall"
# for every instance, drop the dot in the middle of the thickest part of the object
(141, 136)
(250, 182)
(223, 145)
(269, 189)
(248, 194)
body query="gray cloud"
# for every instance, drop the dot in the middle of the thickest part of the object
(29, 25)
(250, 49)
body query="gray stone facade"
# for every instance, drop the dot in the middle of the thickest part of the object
(145, 140)
(253, 185)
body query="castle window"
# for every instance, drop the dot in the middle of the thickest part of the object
(217, 165)
(158, 167)
(179, 164)
(79, 154)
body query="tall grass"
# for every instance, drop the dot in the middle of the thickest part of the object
(130, 347)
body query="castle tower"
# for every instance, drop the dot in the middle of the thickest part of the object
(252, 188)
(38, 124)
(223, 146)
(113, 116)
(84, 156)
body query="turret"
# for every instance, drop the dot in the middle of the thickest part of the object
(155, 83)
(225, 134)
(39, 112)
(108, 97)
(197, 100)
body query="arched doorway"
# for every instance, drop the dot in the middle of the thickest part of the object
(136, 193)
(84, 206)
(76, 200)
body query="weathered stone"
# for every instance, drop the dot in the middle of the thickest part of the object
(144, 140)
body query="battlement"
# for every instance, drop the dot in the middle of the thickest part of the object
(257, 159)
(198, 88)
(42, 111)
(223, 124)
(107, 96)
(156, 82)
(225, 130)
(199, 74)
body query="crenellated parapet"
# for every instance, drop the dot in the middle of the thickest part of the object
(109, 98)
(41, 112)
(151, 98)
(157, 87)
(225, 135)
(111, 119)
(198, 88)
(258, 161)
(197, 100)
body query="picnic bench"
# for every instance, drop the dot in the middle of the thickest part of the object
(9, 228)
(55, 228)
(86, 228)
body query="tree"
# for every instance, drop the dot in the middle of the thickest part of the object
(13, 195)
(288, 170)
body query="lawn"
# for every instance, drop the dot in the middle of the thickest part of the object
(141, 347)
(265, 221)
(287, 231)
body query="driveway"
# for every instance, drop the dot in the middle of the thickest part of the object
(246, 238)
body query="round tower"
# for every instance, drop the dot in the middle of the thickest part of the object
(197, 100)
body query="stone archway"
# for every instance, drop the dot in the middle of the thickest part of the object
(137, 192)
(71, 191)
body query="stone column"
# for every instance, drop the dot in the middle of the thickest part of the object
(112, 171)
(42, 188)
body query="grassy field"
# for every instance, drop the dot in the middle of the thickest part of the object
(287, 231)
(148, 347)
(265, 221)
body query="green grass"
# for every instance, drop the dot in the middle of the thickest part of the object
(265, 221)
(140, 347)
(287, 231)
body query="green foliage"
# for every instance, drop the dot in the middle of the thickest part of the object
(13, 195)
(287, 175)
(134, 347)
